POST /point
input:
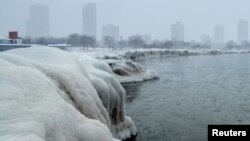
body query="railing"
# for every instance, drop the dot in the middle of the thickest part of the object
(4, 47)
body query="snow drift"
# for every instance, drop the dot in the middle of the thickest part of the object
(48, 94)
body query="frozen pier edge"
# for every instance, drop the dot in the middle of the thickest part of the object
(51, 95)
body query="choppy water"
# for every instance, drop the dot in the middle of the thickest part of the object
(193, 92)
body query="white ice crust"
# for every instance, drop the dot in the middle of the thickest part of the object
(51, 95)
(125, 69)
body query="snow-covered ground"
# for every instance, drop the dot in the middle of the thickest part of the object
(49, 94)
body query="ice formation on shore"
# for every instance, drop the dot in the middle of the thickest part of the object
(134, 54)
(128, 71)
(48, 94)
(123, 68)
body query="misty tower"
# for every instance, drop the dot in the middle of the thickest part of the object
(219, 35)
(243, 30)
(89, 20)
(177, 32)
(37, 25)
(111, 31)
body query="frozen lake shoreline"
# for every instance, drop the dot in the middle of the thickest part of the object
(133, 54)
(51, 95)
(127, 70)
(55, 95)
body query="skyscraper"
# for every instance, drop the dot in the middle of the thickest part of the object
(111, 31)
(177, 32)
(219, 35)
(243, 30)
(89, 20)
(37, 25)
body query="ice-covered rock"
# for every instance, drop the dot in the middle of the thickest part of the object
(48, 94)
(134, 55)
(125, 69)
(128, 71)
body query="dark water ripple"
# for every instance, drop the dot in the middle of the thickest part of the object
(193, 92)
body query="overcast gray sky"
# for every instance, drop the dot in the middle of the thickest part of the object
(133, 16)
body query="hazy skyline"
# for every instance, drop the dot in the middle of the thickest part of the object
(153, 17)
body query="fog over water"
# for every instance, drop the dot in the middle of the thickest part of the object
(133, 16)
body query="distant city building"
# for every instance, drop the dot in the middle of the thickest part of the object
(13, 39)
(13, 35)
(177, 32)
(219, 34)
(111, 31)
(243, 30)
(38, 23)
(89, 20)
(205, 40)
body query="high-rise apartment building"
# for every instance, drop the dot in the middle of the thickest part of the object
(177, 32)
(89, 20)
(242, 30)
(219, 35)
(37, 25)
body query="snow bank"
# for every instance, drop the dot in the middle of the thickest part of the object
(48, 94)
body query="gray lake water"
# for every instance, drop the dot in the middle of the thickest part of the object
(193, 92)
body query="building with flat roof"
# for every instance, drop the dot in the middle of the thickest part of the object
(177, 32)
(37, 25)
(12, 39)
(219, 34)
(89, 20)
(242, 30)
